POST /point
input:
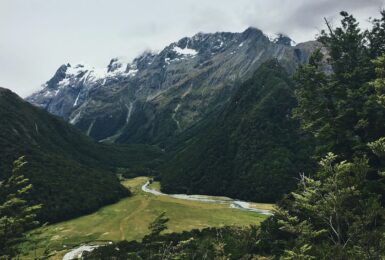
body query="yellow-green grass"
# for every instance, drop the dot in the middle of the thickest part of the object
(155, 185)
(266, 206)
(129, 218)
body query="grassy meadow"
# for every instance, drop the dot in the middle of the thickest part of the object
(129, 218)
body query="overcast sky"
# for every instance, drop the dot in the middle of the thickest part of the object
(37, 36)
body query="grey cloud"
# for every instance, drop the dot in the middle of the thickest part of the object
(303, 19)
(37, 36)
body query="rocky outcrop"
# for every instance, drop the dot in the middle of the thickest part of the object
(159, 95)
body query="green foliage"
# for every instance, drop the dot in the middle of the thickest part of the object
(337, 214)
(340, 108)
(333, 217)
(158, 225)
(253, 151)
(209, 243)
(130, 217)
(379, 82)
(16, 215)
(376, 36)
(378, 147)
(298, 253)
(72, 175)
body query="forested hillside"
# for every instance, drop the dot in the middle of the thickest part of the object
(71, 174)
(339, 213)
(337, 210)
(254, 150)
(240, 115)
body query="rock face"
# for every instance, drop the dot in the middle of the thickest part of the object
(159, 95)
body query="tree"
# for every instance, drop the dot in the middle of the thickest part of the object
(158, 225)
(376, 36)
(337, 214)
(379, 82)
(334, 217)
(16, 215)
(315, 109)
(339, 107)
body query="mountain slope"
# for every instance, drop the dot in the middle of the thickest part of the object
(252, 151)
(159, 95)
(71, 174)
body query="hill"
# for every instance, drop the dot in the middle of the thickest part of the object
(254, 150)
(71, 174)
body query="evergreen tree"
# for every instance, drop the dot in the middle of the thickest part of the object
(158, 225)
(376, 36)
(16, 215)
(379, 83)
(333, 217)
(338, 213)
(339, 107)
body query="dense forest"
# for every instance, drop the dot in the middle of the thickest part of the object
(337, 210)
(71, 174)
(313, 142)
(252, 146)
(209, 243)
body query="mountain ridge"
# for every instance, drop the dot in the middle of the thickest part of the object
(159, 95)
(71, 174)
(253, 150)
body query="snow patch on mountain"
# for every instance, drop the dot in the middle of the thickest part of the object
(83, 73)
(75, 118)
(185, 51)
(79, 93)
(132, 72)
(76, 100)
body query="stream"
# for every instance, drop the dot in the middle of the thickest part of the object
(233, 203)
(237, 204)
(77, 252)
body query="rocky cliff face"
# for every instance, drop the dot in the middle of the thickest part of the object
(158, 95)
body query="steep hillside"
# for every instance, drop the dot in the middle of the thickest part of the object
(71, 174)
(159, 95)
(253, 151)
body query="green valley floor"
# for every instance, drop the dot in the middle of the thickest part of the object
(129, 218)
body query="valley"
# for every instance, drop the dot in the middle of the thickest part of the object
(221, 145)
(129, 218)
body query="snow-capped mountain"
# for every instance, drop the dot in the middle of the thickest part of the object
(160, 94)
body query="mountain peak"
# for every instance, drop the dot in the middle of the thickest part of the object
(5, 92)
(252, 31)
(116, 65)
(105, 102)
(284, 40)
(58, 76)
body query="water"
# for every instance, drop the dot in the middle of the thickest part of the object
(236, 204)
